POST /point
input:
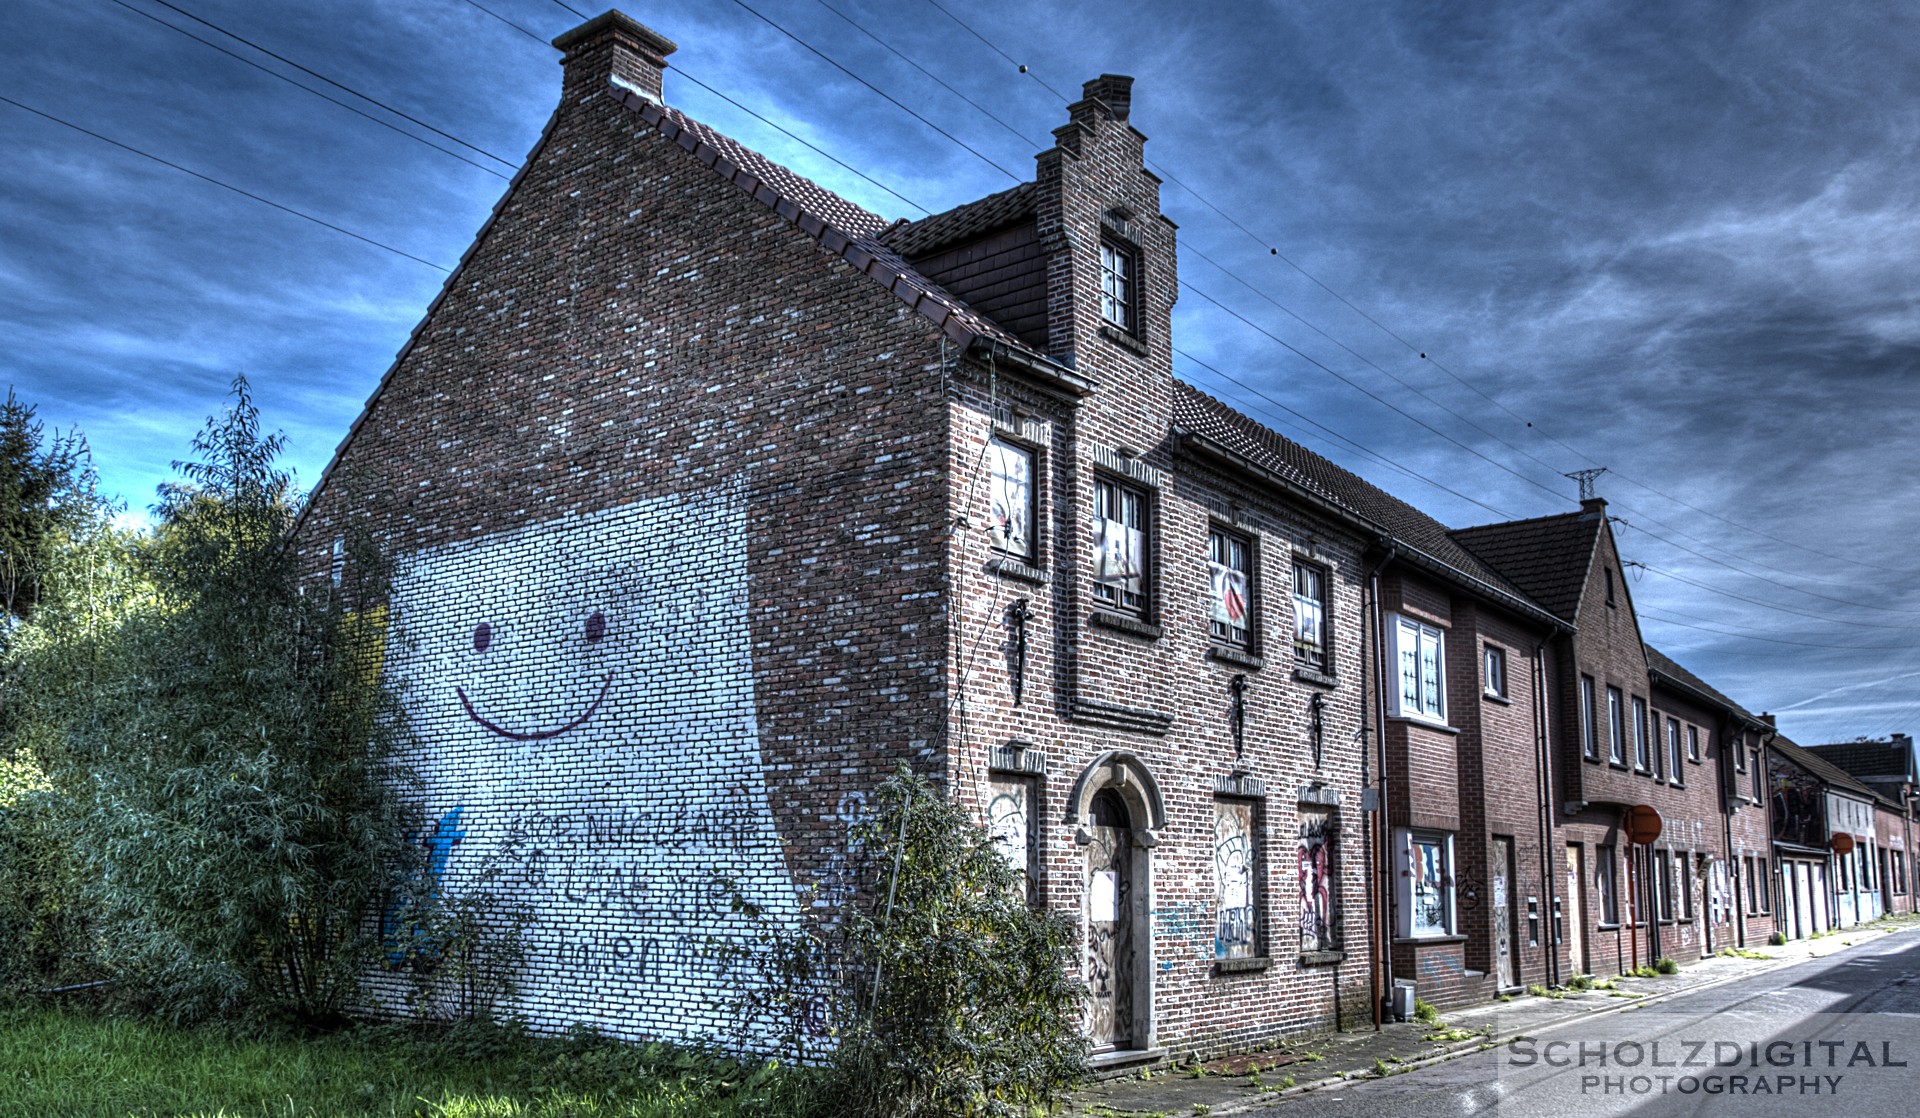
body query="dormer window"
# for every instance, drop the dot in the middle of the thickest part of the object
(1119, 286)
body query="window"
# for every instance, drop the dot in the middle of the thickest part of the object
(1417, 646)
(1496, 672)
(1642, 749)
(1753, 897)
(1693, 744)
(1610, 600)
(1663, 882)
(1616, 727)
(1685, 884)
(1674, 772)
(1233, 879)
(1739, 760)
(1010, 826)
(1899, 867)
(1765, 904)
(1119, 285)
(1604, 869)
(1310, 615)
(1011, 496)
(1589, 734)
(1120, 545)
(1230, 566)
(1427, 904)
(1755, 768)
(1319, 880)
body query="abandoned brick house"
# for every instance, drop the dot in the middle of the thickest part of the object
(714, 496)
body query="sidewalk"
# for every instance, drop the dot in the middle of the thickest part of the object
(1237, 1084)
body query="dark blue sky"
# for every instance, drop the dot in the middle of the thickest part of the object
(1676, 240)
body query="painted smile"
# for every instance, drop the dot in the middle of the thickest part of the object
(537, 735)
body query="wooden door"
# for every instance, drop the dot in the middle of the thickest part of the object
(1576, 910)
(1503, 937)
(1109, 907)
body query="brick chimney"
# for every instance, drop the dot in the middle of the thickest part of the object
(1767, 718)
(613, 47)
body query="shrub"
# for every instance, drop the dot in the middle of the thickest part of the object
(1424, 1010)
(946, 993)
(1667, 965)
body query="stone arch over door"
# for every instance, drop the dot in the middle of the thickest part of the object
(1117, 813)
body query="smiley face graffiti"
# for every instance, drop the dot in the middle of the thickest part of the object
(594, 630)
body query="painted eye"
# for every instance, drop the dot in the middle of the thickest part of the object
(482, 636)
(596, 626)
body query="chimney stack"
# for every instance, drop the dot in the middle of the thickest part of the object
(613, 47)
(1767, 718)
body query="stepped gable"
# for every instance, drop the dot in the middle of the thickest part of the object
(1547, 557)
(914, 239)
(1660, 664)
(1201, 414)
(840, 226)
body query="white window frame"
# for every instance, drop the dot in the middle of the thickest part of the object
(1120, 286)
(1693, 743)
(1642, 743)
(1003, 492)
(1419, 646)
(1412, 843)
(1589, 726)
(1310, 611)
(1110, 533)
(1494, 671)
(1226, 578)
(1616, 726)
(1677, 762)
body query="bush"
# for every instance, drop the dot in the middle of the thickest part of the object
(945, 991)
(1667, 965)
(1424, 1010)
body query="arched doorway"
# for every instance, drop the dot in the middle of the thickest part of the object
(1116, 812)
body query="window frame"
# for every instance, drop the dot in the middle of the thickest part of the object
(1616, 726)
(1126, 278)
(1413, 840)
(1642, 742)
(1221, 539)
(996, 444)
(1255, 946)
(1325, 607)
(1493, 671)
(1108, 490)
(1663, 885)
(1693, 743)
(1606, 884)
(1589, 727)
(1429, 708)
(1766, 898)
(1676, 761)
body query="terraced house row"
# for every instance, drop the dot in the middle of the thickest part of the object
(715, 496)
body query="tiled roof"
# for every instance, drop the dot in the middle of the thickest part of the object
(1196, 412)
(962, 223)
(840, 226)
(1547, 557)
(1869, 758)
(1660, 663)
(1819, 766)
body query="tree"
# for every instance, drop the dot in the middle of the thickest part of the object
(223, 749)
(43, 483)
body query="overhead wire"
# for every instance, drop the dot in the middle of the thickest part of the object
(362, 113)
(225, 185)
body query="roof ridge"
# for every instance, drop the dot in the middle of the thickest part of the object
(1571, 514)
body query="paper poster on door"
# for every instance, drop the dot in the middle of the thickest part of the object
(1103, 903)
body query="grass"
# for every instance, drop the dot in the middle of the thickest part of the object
(1742, 953)
(70, 1066)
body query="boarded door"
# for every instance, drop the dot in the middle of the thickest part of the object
(1576, 910)
(1109, 893)
(1503, 945)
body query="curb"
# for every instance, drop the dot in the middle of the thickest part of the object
(1490, 1041)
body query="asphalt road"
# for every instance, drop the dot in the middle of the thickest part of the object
(1837, 1036)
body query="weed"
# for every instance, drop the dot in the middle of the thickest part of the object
(1380, 1068)
(1201, 1110)
(1580, 983)
(1667, 965)
(1424, 1011)
(1506, 997)
(1742, 953)
(1643, 971)
(1540, 991)
(1450, 1036)
(1311, 1057)
(1777, 939)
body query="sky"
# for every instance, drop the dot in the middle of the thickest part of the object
(1462, 248)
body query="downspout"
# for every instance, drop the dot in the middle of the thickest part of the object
(1726, 841)
(1380, 894)
(1543, 754)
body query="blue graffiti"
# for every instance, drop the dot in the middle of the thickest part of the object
(409, 944)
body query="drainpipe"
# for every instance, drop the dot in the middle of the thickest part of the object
(1380, 889)
(1543, 754)
(1727, 809)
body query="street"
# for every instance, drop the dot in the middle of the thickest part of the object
(1834, 1033)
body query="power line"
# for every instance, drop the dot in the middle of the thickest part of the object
(1770, 605)
(572, 9)
(503, 160)
(968, 28)
(1337, 436)
(902, 106)
(1654, 614)
(225, 185)
(389, 125)
(503, 19)
(682, 72)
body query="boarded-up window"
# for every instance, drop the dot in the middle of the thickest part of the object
(1011, 489)
(1319, 882)
(1233, 875)
(1010, 823)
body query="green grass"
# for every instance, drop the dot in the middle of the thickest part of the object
(59, 1065)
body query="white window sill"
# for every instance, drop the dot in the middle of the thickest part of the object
(1424, 722)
